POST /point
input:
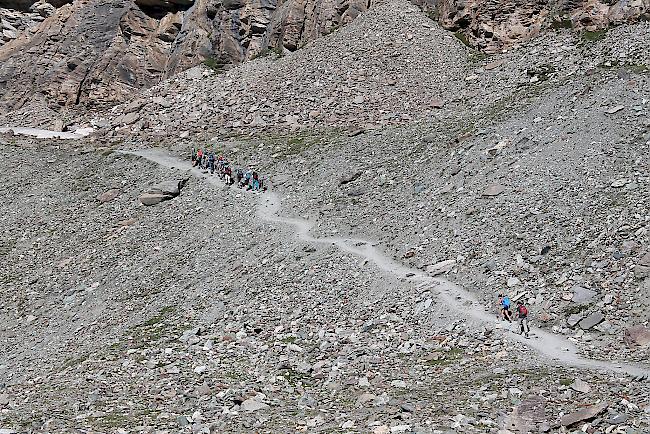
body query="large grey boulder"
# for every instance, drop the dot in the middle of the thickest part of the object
(582, 295)
(592, 321)
(162, 191)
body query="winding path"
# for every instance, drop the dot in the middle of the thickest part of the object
(553, 347)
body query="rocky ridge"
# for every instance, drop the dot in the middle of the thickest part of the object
(131, 45)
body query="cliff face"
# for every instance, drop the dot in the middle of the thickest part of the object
(98, 52)
(492, 25)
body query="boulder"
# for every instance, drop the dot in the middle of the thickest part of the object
(162, 191)
(441, 267)
(350, 177)
(582, 295)
(586, 413)
(592, 320)
(637, 335)
(580, 386)
(574, 319)
(253, 404)
(108, 195)
(493, 190)
(642, 268)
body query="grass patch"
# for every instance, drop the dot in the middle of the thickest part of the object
(70, 362)
(294, 377)
(160, 317)
(562, 23)
(477, 56)
(639, 69)
(593, 36)
(566, 382)
(446, 358)
(214, 64)
(576, 308)
(432, 14)
(332, 30)
(462, 37)
(276, 52)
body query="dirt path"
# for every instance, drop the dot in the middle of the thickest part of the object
(553, 347)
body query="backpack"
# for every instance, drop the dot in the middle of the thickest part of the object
(523, 311)
(506, 302)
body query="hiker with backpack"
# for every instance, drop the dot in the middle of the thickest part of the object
(211, 162)
(255, 184)
(504, 304)
(227, 175)
(522, 313)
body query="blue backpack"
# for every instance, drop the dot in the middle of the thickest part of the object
(506, 302)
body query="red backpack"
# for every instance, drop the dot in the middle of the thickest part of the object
(522, 310)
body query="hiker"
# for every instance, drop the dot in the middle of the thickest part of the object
(240, 175)
(522, 313)
(255, 184)
(504, 304)
(199, 157)
(211, 162)
(227, 174)
(247, 178)
(193, 157)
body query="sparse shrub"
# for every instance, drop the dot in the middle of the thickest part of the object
(594, 36)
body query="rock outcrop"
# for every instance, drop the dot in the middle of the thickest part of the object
(492, 25)
(99, 52)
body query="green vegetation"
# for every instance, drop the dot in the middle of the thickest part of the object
(160, 317)
(594, 36)
(446, 358)
(214, 64)
(639, 69)
(70, 362)
(566, 382)
(562, 23)
(276, 52)
(332, 30)
(294, 377)
(462, 37)
(432, 14)
(576, 308)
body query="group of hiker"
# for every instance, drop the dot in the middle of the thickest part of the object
(208, 161)
(521, 310)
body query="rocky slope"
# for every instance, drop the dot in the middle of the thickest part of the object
(525, 172)
(99, 52)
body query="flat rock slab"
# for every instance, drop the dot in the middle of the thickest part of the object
(253, 405)
(109, 195)
(441, 267)
(637, 335)
(149, 199)
(574, 319)
(582, 295)
(580, 386)
(493, 190)
(585, 414)
(592, 320)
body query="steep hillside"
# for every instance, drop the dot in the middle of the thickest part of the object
(62, 54)
(411, 180)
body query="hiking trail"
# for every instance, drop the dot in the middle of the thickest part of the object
(555, 348)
